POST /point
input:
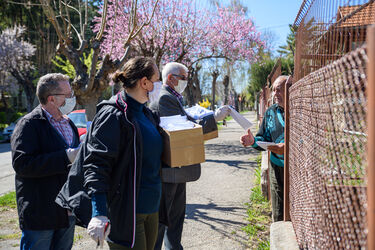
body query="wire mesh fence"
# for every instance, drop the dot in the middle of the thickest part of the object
(327, 30)
(328, 155)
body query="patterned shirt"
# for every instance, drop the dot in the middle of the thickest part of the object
(175, 93)
(62, 126)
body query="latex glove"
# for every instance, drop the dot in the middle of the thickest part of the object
(221, 113)
(72, 153)
(247, 140)
(98, 229)
(277, 149)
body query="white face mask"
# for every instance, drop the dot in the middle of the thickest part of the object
(181, 86)
(69, 105)
(154, 94)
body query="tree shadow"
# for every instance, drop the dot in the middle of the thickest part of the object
(228, 147)
(4, 147)
(234, 163)
(199, 213)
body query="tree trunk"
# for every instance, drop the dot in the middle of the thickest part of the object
(193, 90)
(215, 74)
(226, 84)
(30, 95)
(89, 105)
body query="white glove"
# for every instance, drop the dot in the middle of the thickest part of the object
(98, 229)
(221, 113)
(72, 153)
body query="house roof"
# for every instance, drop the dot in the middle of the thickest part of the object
(356, 15)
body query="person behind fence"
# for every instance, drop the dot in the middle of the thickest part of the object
(173, 201)
(121, 162)
(272, 130)
(44, 144)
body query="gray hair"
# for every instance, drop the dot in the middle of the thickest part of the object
(49, 84)
(172, 68)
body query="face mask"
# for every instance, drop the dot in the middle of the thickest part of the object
(181, 86)
(69, 105)
(154, 94)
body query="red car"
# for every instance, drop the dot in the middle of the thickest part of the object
(78, 117)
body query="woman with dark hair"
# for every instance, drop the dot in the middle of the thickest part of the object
(121, 162)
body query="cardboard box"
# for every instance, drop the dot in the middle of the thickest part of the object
(211, 135)
(183, 147)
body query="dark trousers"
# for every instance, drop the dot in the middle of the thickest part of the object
(173, 204)
(277, 192)
(145, 233)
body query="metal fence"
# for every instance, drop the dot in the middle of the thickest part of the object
(327, 30)
(327, 158)
(326, 125)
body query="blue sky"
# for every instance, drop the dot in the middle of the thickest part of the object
(272, 15)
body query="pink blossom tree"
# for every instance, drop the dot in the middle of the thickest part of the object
(15, 59)
(181, 32)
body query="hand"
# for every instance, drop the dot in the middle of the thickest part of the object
(221, 113)
(72, 153)
(98, 229)
(247, 140)
(277, 149)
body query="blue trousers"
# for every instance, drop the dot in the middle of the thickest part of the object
(60, 239)
(174, 199)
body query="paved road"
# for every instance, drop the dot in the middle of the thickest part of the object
(6, 170)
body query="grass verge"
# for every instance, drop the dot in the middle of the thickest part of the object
(259, 214)
(8, 200)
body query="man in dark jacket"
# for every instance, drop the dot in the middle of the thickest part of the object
(173, 201)
(44, 144)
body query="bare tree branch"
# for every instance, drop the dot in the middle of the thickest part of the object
(50, 13)
(103, 22)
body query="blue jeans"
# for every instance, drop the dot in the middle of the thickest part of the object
(60, 239)
(174, 198)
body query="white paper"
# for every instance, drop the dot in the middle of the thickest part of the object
(265, 144)
(176, 122)
(244, 123)
(198, 112)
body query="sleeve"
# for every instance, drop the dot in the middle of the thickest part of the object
(27, 158)
(102, 150)
(263, 133)
(169, 106)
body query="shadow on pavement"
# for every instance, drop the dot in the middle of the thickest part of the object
(228, 149)
(4, 147)
(234, 163)
(198, 213)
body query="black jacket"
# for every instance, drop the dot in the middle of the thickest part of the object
(41, 165)
(109, 162)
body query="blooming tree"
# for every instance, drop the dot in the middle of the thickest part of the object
(181, 32)
(15, 59)
(89, 83)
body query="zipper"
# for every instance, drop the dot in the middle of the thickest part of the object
(135, 168)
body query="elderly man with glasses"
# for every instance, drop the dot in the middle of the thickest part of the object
(44, 144)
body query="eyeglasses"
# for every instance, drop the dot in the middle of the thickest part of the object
(71, 95)
(181, 76)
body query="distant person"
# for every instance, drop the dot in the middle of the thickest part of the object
(272, 130)
(44, 144)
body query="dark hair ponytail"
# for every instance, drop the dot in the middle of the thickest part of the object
(135, 69)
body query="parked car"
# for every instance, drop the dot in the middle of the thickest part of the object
(78, 117)
(8, 131)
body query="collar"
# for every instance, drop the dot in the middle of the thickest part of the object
(174, 92)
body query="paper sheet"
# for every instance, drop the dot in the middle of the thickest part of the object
(244, 123)
(264, 144)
